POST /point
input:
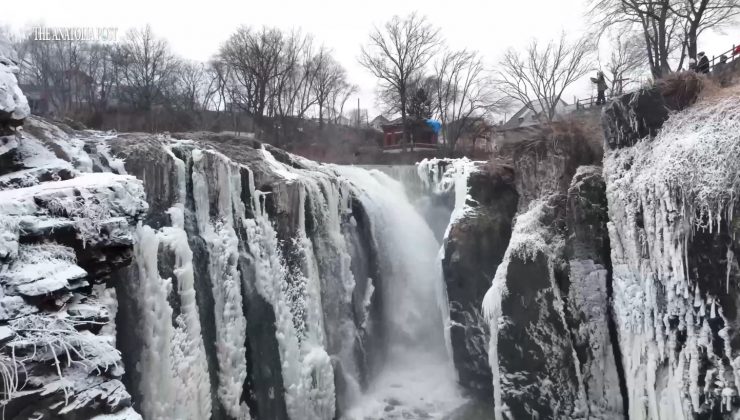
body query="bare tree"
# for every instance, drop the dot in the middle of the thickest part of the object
(398, 52)
(101, 68)
(149, 69)
(542, 73)
(330, 78)
(700, 15)
(463, 93)
(219, 75)
(190, 81)
(293, 76)
(296, 87)
(625, 62)
(254, 57)
(212, 89)
(660, 27)
(338, 99)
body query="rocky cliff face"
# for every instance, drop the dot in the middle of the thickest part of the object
(614, 297)
(250, 266)
(13, 108)
(64, 233)
(258, 285)
(551, 349)
(673, 232)
(473, 247)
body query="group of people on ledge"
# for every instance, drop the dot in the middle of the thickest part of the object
(720, 70)
(701, 66)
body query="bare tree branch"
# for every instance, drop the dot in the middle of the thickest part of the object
(542, 73)
(397, 53)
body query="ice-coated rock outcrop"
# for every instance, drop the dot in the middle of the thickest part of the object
(63, 232)
(13, 107)
(13, 103)
(549, 342)
(550, 348)
(674, 236)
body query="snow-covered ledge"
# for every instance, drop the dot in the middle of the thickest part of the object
(63, 232)
(59, 241)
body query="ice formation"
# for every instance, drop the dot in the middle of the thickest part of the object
(173, 366)
(13, 103)
(665, 195)
(445, 176)
(61, 239)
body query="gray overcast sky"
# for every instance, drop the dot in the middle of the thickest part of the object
(196, 29)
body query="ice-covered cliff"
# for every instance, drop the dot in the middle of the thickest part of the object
(64, 232)
(673, 228)
(13, 103)
(616, 294)
(527, 267)
(244, 282)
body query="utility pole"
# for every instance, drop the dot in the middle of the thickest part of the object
(358, 111)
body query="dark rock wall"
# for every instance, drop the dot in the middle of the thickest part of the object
(473, 250)
(553, 355)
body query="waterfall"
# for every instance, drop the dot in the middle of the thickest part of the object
(417, 376)
(305, 292)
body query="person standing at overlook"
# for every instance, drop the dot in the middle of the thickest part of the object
(703, 65)
(601, 88)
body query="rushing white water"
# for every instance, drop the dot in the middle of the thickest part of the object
(417, 379)
(298, 246)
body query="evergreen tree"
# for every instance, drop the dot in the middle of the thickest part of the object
(420, 106)
(418, 111)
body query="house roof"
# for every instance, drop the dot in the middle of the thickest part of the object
(393, 123)
(380, 119)
(528, 114)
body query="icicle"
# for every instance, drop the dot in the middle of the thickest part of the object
(686, 291)
(213, 170)
(697, 296)
(730, 257)
(727, 394)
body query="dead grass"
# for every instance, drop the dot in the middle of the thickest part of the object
(581, 140)
(681, 90)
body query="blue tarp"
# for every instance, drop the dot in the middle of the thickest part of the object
(434, 125)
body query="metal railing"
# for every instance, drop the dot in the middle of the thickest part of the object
(585, 103)
(732, 55)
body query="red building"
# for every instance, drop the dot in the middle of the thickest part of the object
(424, 138)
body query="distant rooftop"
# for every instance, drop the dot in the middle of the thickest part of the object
(529, 115)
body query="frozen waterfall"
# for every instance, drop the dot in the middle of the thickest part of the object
(287, 290)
